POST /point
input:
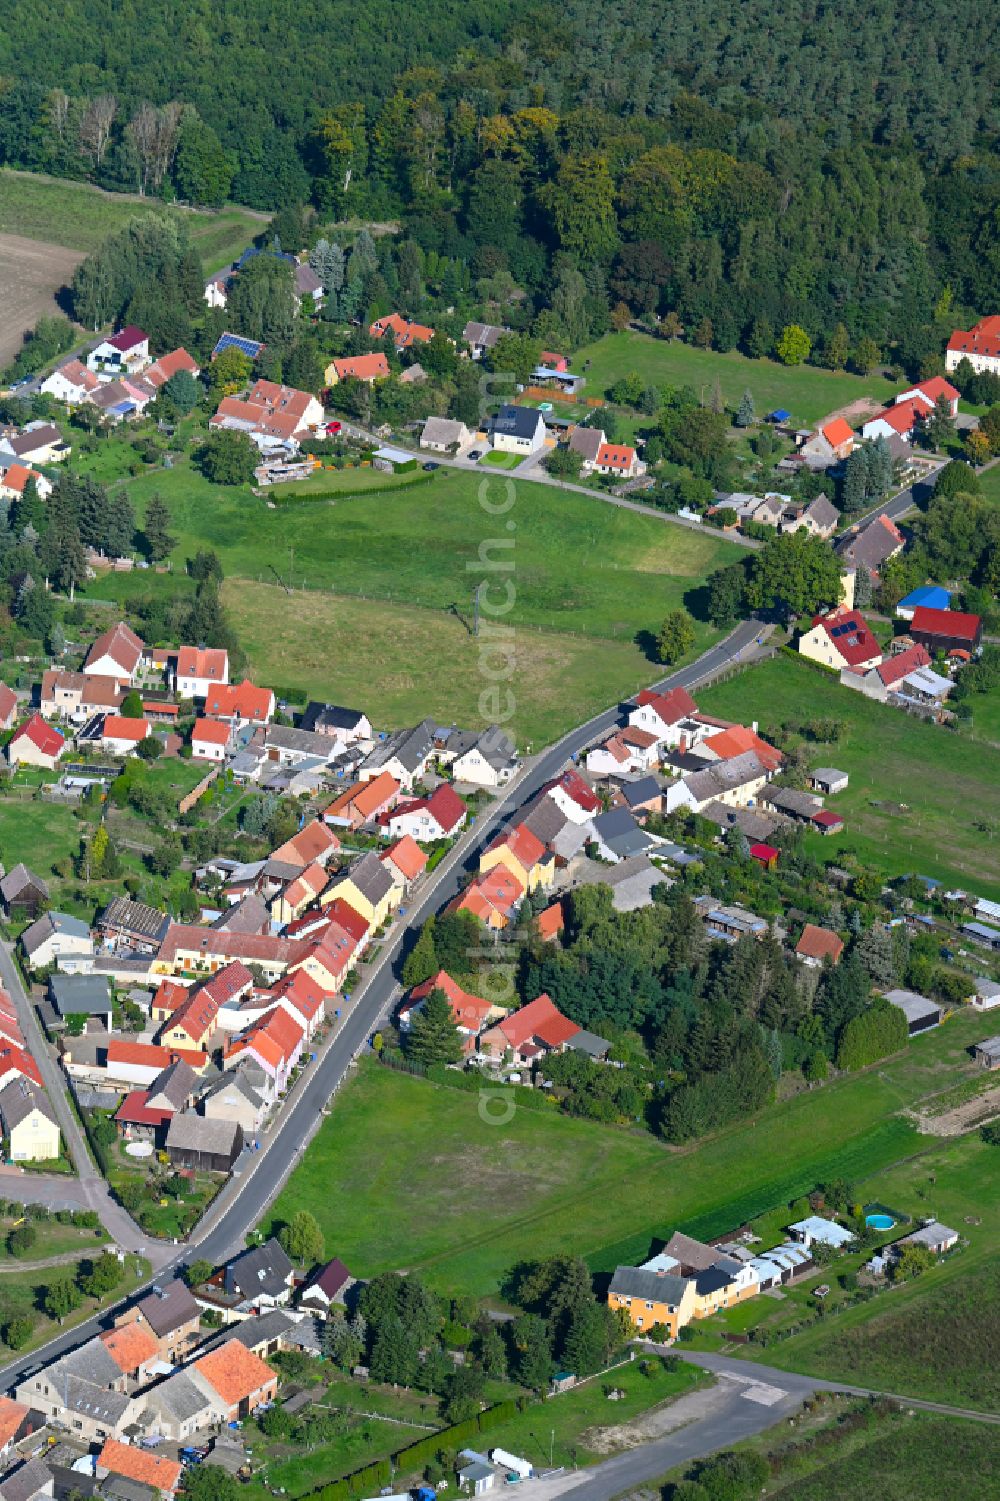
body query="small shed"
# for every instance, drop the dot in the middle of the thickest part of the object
(765, 855)
(987, 1052)
(986, 994)
(920, 1013)
(207, 1145)
(933, 1237)
(393, 460)
(828, 779)
(986, 937)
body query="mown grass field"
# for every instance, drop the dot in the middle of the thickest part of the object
(949, 784)
(405, 1173)
(937, 1336)
(79, 216)
(584, 586)
(804, 390)
(343, 649)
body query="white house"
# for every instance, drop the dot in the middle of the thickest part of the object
(120, 734)
(117, 653)
(489, 761)
(441, 434)
(124, 353)
(931, 391)
(199, 670)
(427, 818)
(518, 430)
(624, 753)
(72, 383)
(670, 717)
(54, 934)
(980, 345)
(620, 460)
(210, 740)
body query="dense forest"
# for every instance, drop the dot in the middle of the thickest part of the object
(742, 168)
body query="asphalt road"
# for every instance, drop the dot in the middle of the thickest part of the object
(243, 1200)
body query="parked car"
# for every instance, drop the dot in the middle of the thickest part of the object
(476, 453)
(332, 428)
(431, 466)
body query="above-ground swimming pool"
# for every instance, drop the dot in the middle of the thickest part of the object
(879, 1221)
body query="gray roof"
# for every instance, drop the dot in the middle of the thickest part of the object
(517, 422)
(589, 1043)
(191, 1132)
(409, 747)
(18, 1099)
(50, 923)
(754, 824)
(17, 879)
(822, 511)
(586, 441)
(175, 1084)
(929, 1235)
(485, 334)
(303, 742)
(723, 776)
(26, 1481)
(168, 1307)
(791, 800)
(181, 1397)
(494, 745)
(871, 547)
(263, 1268)
(545, 818)
(618, 831)
(913, 1006)
(236, 1079)
(690, 1252)
(136, 917)
(333, 716)
(370, 876)
(642, 790)
(89, 995)
(658, 1287)
(91, 1363)
(827, 774)
(443, 430)
(275, 1324)
(248, 915)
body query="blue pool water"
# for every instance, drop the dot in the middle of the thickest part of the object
(879, 1221)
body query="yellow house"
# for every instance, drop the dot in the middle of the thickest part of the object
(299, 894)
(653, 1298)
(840, 639)
(718, 1288)
(367, 887)
(366, 367)
(29, 1123)
(524, 855)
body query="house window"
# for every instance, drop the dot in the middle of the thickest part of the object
(649, 1305)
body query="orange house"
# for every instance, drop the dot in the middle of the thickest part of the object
(653, 1298)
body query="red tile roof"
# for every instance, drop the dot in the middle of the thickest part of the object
(406, 333)
(525, 846)
(817, 943)
(551, 922)
(407, 856)
(946, 623)
(348, 918)
(574, 786)
(18, 1059)
(826, 819)
(12, 1415)
(134, 1111)
(365, 799)
(121, 644)
(313, 842)
(838, 431)
(168, 365)
(235, 1372)
(893, 669)
(541, 1018)
(210, 732)
(444, 805)
(203, 662)
(850, 634)
(119, 727)
(43, 736)
(470, 1011)
(240, 701)
(937, 387)
(149, 1055)
(363, 367)
(982, 338)
(737, 740)
(904, 417)
(154, 1470)
(130, 1346)
(615, 456)
(671, 707)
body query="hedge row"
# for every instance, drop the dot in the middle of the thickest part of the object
(325, 495)
(372, 1477)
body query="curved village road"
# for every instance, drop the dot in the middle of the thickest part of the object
(243, 1200)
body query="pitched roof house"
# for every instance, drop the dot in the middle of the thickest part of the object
(841, 638)
(535, 1029)
(116, 654)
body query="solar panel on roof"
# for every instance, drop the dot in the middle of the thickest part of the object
(250, 347)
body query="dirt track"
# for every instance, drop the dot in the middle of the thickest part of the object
(30, 275)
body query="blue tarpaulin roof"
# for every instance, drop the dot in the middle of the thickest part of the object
(930, 596)
(780, 414)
